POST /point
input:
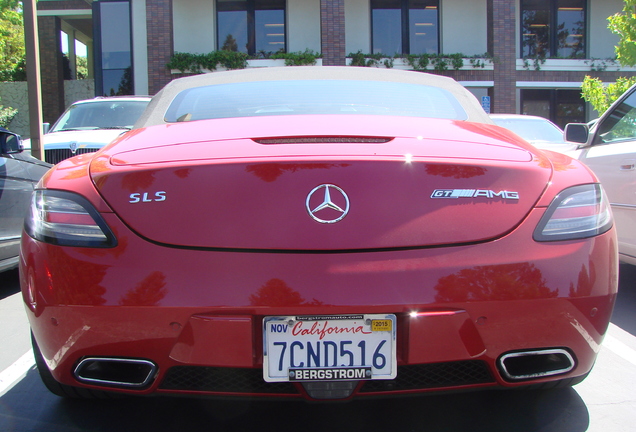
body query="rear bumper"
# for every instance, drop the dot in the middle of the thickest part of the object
(197, 315)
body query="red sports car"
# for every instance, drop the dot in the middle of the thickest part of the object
(317, 233)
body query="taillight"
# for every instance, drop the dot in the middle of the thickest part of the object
(575, 213)
(67, 219)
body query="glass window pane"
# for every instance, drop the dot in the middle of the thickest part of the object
(570, 107)
(423, 29)
(559, 106)
(535, 27)
(232, 25)
(571, 29)
(117, 82)
(621, 125)
(270, 30)
(326, 97)
(115, 28)
(386, 16)
(536, 102)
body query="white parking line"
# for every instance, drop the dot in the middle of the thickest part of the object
(618, 347)
(14, 373)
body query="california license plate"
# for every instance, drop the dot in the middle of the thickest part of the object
(329, 348)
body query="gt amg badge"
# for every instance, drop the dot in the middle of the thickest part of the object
(474, 193)
(327, 211)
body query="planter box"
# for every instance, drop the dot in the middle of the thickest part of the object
(571, 65)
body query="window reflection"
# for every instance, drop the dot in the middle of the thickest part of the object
(270, 30)
(390, 38)
(559, 106)
(621, 125)
(571, 29)
(387, 27)
(535, 18)
(423, 32)
(115, 49)
(251, 26)
(553, 28)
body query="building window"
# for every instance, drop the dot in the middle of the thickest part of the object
(113, 48)
(251, 26)
(553, 28)
(559, 106)
(405, 26)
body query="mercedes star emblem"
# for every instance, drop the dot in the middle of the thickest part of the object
(327, 211)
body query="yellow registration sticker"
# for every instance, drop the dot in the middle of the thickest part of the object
(381, 325)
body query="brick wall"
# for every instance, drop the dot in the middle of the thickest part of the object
(65, 5)
(502, 45)
(332, 34)
(160, 43)
(51, 68)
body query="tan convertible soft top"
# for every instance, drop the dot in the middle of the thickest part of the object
(155, 113)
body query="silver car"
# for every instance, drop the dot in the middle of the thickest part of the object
(19, 172)
(608, 147)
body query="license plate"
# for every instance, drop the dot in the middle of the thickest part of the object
(329, 348)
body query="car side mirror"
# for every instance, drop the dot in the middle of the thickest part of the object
(577, 133)
(10, 142)
(46, 127)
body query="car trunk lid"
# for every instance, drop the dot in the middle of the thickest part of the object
(336, 190)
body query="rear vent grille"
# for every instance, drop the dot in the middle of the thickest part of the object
(409, 378)
(223, 380)
(324, 140)
(434, 375)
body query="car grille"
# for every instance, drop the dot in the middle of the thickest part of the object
(58, 155)
(223, 380)
(410, 377)
(434, 375)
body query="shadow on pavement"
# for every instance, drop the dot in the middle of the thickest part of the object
(624, 315)
(9, 283)
(29, 407)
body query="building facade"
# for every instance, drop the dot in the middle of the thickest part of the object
(520, 56)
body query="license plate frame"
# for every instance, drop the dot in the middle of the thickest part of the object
(329, 347)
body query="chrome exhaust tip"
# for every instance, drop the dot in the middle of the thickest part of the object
(116, 372)
(525, 365)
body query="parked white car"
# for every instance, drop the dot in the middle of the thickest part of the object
(538, 131)
(608, 147)
(88, 125)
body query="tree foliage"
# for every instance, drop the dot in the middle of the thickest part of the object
(6, 115)
(623, 24)
(601, 96)
(12, 50)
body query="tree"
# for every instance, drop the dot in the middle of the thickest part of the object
(81, 67)
(12, 50)
(230, 44)
(624, 25)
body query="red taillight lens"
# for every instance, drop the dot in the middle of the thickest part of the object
(67, 219)
(578, 212)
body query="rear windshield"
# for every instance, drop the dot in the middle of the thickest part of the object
(270, 98)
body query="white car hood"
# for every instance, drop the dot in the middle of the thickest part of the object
(85, 139)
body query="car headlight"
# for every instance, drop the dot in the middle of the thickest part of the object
(575, 213)
(67, 219)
